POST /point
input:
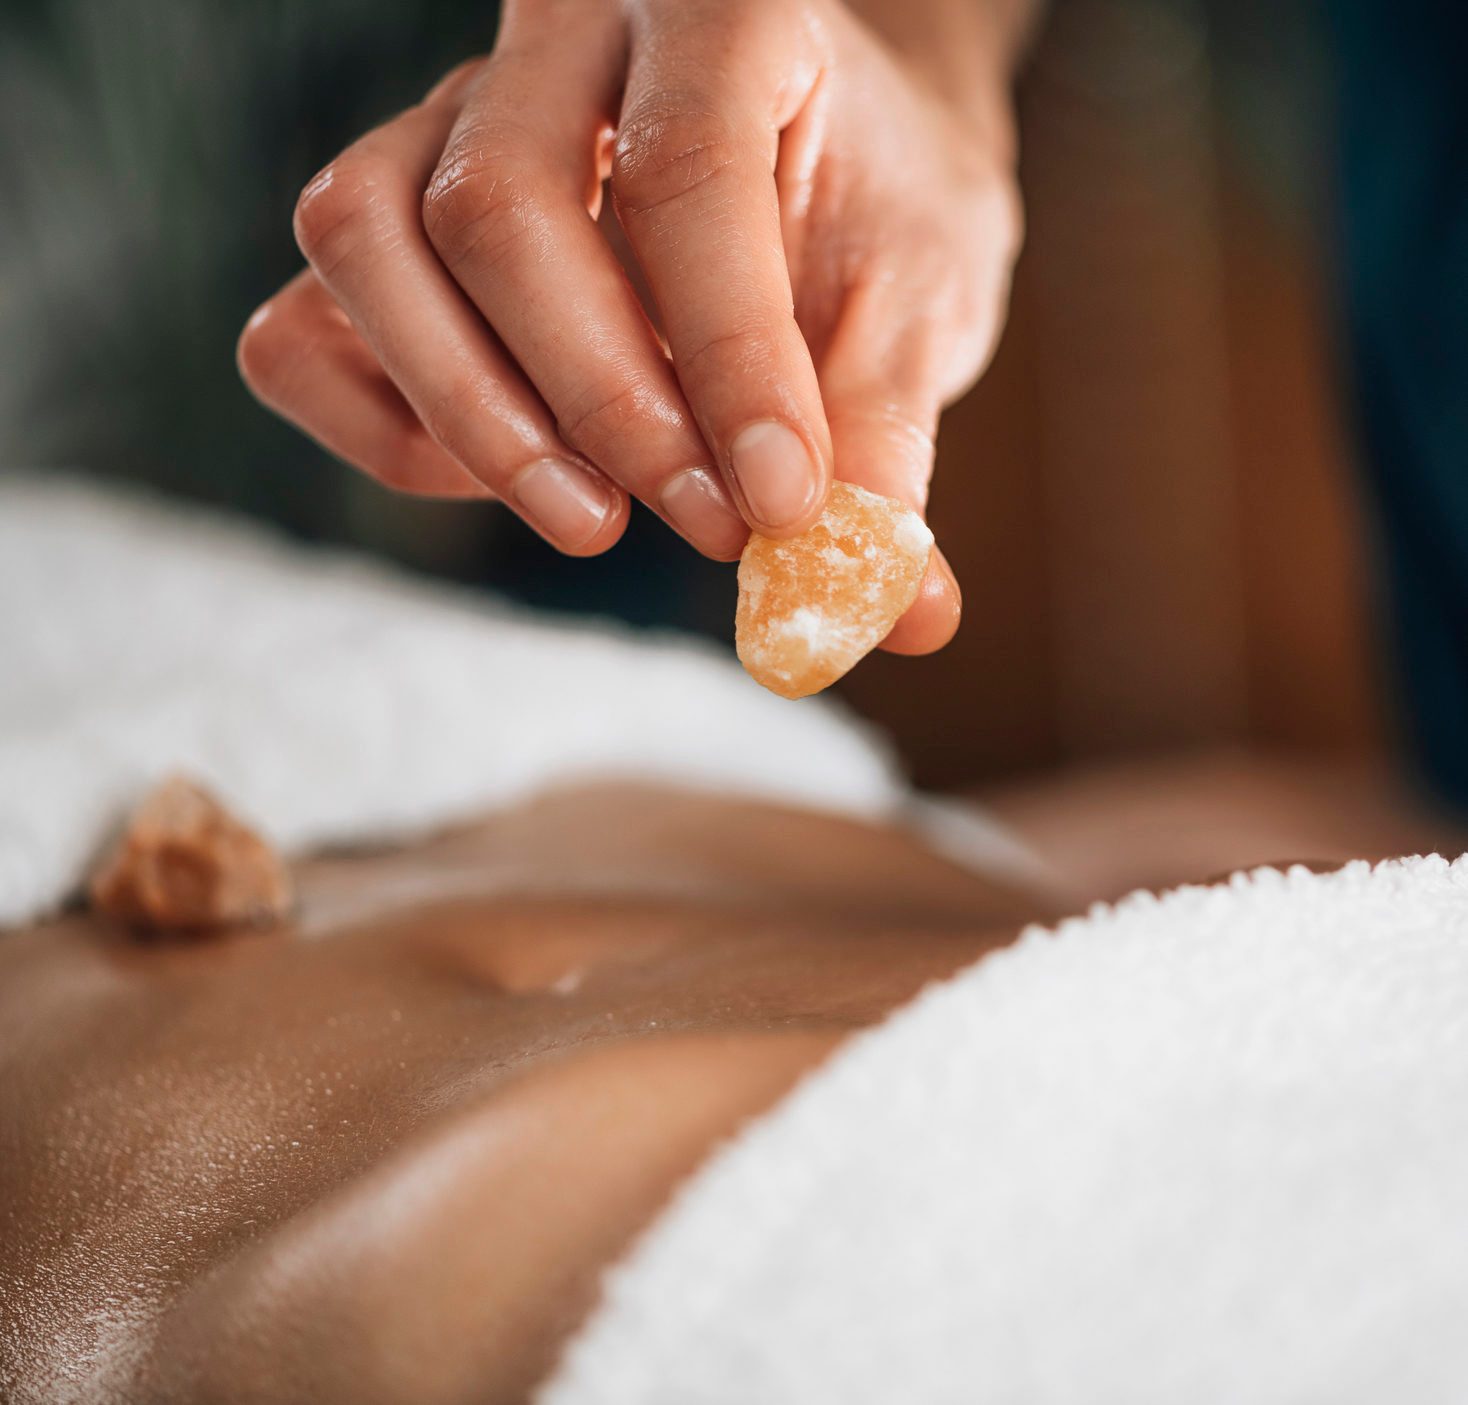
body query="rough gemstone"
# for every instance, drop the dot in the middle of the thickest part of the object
(812, 606)
(184, 862)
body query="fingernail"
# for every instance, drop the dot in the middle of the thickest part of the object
(774, 471)
(698, 505)
(566, 502)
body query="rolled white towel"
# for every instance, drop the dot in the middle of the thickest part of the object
(332, 700)
(1210, 1147)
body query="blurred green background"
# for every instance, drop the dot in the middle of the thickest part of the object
(151, 152)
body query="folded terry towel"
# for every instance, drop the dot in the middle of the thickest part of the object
(1210, 1147)
(332, 700)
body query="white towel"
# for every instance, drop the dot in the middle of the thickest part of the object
(1207, 1148)
(335, 701)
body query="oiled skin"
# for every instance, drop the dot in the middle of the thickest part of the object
(384, 1153)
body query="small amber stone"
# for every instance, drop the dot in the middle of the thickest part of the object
(184, 862)
(811, 607)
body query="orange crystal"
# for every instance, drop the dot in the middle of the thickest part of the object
(185, 862)
(813, 606)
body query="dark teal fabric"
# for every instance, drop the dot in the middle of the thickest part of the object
(1402, 206)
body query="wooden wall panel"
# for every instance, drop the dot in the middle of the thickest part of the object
(1147, 499)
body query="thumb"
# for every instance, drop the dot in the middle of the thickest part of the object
(883, 420)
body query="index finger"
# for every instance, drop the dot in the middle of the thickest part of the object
(693, 180)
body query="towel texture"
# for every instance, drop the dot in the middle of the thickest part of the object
(1207, 1148)
(334, 701)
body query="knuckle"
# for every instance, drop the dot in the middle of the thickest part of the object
(666, 152)
(481, 204)
(897, 437)
(450, 419)
(603, 420)
(337, 210)
(741, 349)
(900, 428)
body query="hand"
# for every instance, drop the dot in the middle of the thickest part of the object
(826, 242)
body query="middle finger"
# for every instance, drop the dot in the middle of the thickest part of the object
(507, 210)
(359, 224)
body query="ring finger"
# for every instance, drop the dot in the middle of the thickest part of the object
(359, 224)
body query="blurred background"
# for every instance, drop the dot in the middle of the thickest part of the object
(1152, 500)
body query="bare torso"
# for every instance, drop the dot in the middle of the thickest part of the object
(384, 1153)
